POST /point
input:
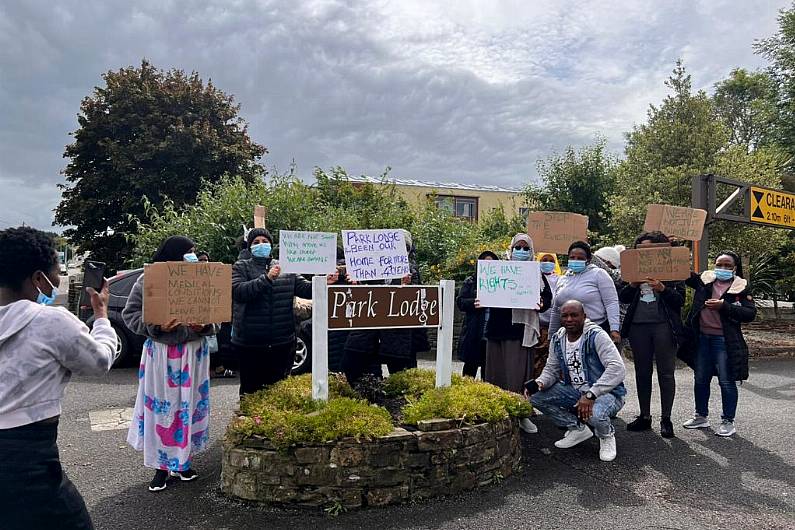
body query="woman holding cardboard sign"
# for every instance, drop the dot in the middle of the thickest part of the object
(171, 418)
(511, 334)
(653, 324)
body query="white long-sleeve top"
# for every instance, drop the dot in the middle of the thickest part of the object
(40, 348)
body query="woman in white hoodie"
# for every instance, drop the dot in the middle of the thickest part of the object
(40, 348)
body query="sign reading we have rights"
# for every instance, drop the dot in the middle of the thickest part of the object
(191, 293)
(513, 284)
(307, 252)
(375, 254)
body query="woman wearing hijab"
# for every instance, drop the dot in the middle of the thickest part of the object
(721, 304)
(263, 322)
(512, 333)
(550, 268)
(590, 285)
(171, 417)
(40, 348)
(472, 341)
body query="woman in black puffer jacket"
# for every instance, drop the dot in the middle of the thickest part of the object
(263, 323)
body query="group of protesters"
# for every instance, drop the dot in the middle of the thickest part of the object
(563, 354)
(566, 357)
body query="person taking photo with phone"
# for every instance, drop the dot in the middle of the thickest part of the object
(40, 348)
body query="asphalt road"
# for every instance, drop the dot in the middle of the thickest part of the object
(696, 480)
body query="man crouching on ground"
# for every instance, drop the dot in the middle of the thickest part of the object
(584, 374)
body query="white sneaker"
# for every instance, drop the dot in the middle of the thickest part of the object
(528, 426)
(607, 448)
(573, 437)
(696, 422)
(726, 428)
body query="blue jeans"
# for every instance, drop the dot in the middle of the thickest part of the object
(558, 403)
(712, 356)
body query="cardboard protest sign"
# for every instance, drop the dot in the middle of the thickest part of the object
(260, 214)
(378, 306)
(659, 263)
(555, 231)
(192, 293)
(375, 254)
(515, 284)
(307, 252)
(675, 221)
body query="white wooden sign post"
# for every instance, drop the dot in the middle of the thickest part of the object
(319, 338)
(444, 337)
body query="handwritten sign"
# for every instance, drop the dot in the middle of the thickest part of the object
(260, 214)
(659, 263)
(308, 252)
(515, 284)
(675, 221)
(192, 293)
(374, 307)
(555, 231)
(375, 254)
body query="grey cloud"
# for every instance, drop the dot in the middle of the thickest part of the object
(454, 91)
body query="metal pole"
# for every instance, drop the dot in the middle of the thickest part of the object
(703, 188)
(444, 339)
(319, 338)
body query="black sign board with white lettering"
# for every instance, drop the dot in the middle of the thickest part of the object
(383, 306)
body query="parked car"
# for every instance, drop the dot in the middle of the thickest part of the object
(130, 344)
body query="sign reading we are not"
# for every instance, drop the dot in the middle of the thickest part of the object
(658, 263)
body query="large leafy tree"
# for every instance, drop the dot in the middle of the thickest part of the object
(147, 134)
(576, 181)
(746, 102)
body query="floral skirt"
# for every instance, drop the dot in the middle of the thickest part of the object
(172, 409)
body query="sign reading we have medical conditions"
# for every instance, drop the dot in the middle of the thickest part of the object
(191, 293)
(555, 231)
(375, 254)
(379, 306)
(514, 284)
(675, 221)
(307, 252)
(659, 263)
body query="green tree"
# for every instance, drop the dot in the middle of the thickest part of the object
(147, 134)
(746, 102)
(576, 181)
(681, 138)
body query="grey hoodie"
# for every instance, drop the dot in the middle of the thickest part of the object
(40, 348)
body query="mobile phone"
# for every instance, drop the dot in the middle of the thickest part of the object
(93, 275)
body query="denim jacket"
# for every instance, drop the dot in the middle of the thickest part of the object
(602, 364)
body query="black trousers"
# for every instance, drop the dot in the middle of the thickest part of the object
(654, 343)
(34, 490)
(471, 367)
(263, 365)
(356, 363)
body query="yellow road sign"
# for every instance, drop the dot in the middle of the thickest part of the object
(772, 207)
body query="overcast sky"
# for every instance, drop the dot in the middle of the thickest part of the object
(467, 91)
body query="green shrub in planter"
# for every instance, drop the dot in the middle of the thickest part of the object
(413, 383)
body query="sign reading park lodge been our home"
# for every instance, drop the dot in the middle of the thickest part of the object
(383, 306)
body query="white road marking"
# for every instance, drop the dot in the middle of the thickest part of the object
(110, 419)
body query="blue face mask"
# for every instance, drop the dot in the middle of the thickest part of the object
(520, 255)
(190, 257)
(547, 267)
(43, 299)
(576, 265)
(724, 275)
(262, 250)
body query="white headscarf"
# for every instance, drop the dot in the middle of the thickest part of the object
(527, 317)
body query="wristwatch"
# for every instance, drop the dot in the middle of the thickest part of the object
(590, 395)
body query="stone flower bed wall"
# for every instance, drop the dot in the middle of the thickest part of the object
(400, 467)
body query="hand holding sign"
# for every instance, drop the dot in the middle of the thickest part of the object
(513, 284)
(375, 254)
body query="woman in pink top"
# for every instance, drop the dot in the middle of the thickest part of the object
(721, 303)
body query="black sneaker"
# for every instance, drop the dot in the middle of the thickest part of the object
(159, 482)
(640, 424)
(666, 428)
(185, 476)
